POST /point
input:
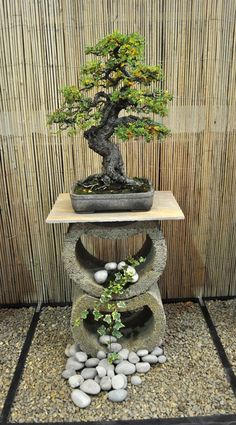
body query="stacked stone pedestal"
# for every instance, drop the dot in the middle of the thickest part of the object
(143, 316)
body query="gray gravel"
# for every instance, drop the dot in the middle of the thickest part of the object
(190, 383)
(14, 324)
(223, 314)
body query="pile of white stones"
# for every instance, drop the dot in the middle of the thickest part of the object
(95, 374)
(101, 275)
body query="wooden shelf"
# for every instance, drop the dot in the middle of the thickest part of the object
(165, 207)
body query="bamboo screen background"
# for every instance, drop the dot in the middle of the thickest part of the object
(41, 48)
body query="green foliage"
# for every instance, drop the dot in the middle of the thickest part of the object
(106, 310)
(119, 76)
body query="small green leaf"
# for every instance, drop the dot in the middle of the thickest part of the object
(97, 315)
(107, 319)
(84, 314)
(102, 330)
(117, 333)
(116, 315)
(112, 357)
(121, 304)
(118, 325)
(77, 322)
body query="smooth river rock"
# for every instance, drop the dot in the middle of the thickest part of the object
(104, 363)
(92, 362)
(90, 387)
(89, 372)
(101, 371)
(118, 382)
(75, 381)
(142, 352)
(117, 395)
(107, 339)
(80, 399)
(143, 367)
(125, 367)
(121, 265)
(162, 359)
(133, 358)
(114, 347)
(158, 351)
(134, 278)
(74, 364)
(124, 353)
(150, 358)
(136, 380)
(111, 266)
(67, 373)
(101, 276)
(81, 356)
(101, 355)
(105, 383)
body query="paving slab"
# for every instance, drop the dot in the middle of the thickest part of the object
(191, 383)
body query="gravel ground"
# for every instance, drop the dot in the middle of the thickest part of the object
(190, 383)
(223, 314)
(14, 324)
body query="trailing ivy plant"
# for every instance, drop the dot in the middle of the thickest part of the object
(106, 309)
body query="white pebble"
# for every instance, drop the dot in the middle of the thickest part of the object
(125, 380)
(118, 382)
(72, 363)
(101, 355)
(73, 349)
(143, 367)
(121, 265)
(67, 350)
(81, 356)
(110, 372)
(92, 362)
(80, 399)
(75, 381)
(90, 387)
(136, 380)
(133, 358)
(134, 278)
(131, 270)
(105, 383)
(124, 353)
(117, 395)
(67, 373)
(115, 347)
(110, 266)
(157, 351)
(104, 363)
(150, 358)
(101, 276)
(89, 373)
(125, 367)
(101, 371)
(142, 352)
(162, 359)
(107, 339)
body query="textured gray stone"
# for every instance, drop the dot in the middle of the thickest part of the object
(92, 362)
(105, 383)
(89, 373)
(150, 332)
(136, 380)
(150, 358)
(75, 381)
(118, 382)
(81, 275)
(133, 358)
(80, 399)
(117, 395)
(125, 367)
(90, 387)
(143, 367)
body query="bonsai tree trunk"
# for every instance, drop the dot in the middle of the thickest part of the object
(98, 140)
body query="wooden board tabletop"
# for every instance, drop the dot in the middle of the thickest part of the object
(165, 207)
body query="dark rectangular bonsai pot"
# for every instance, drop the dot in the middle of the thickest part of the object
(111, 201)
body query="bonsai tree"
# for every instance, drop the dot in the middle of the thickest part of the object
(116, 81)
